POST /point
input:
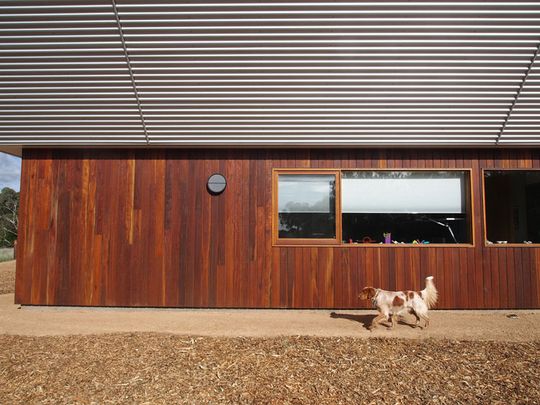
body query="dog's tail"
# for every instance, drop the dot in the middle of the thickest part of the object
(429, 294)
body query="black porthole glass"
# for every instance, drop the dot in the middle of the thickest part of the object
(216, 184)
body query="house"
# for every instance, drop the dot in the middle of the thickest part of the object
(273, 154)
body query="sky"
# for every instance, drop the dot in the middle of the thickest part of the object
(10, 171)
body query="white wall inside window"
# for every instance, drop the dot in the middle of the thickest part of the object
(305, 193)
(403, 192)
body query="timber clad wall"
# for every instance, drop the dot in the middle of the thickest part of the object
(138, 228)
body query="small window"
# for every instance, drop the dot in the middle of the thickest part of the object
(512, 203)
(306, 206)
(420, 207)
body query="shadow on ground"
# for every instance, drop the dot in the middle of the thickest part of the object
(366, 320)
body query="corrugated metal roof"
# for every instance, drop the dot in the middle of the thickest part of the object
(272, 73)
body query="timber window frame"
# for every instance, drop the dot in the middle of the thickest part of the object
(494, 243)
(275, 209)
(338, 241)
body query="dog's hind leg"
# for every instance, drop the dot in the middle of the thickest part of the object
(426, 320)
(412, 311)
(421, 310)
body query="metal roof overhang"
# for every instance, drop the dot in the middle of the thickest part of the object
(270, 73)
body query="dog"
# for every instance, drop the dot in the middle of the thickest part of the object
(395, 303)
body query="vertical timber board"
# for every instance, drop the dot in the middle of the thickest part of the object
(138, 228)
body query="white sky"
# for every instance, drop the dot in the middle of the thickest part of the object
(10, 171)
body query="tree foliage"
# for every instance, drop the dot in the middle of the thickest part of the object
(9, 221)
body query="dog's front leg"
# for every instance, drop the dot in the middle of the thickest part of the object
(394, 321)
(376, 321)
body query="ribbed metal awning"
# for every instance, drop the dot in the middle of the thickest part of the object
(269, 73)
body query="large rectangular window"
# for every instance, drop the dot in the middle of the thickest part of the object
(512, 204)
(405, 207)
(412, 207)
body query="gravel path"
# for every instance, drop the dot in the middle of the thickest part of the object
(152, 368)
(7, 277)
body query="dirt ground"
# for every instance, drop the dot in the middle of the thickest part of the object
(7, 277)
(459, 325)
(148, 356)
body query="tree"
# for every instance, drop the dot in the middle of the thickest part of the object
(9, 221)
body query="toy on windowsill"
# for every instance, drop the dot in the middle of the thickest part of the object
(387, 237)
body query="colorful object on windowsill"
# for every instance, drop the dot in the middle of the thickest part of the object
(387, 237)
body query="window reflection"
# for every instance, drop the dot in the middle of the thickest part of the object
(306, 205)
(512, 206)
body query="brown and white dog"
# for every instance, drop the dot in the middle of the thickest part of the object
(395, 303)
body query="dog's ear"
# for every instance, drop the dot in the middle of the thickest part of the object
(367, 293)
(363, 294)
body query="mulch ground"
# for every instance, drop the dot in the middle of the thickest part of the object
(159, 368)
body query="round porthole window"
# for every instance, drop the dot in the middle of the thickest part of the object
(216, 184)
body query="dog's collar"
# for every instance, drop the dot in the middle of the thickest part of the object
(374, 298)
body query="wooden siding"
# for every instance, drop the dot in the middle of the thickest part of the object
(138, 228)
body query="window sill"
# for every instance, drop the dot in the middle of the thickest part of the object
(378, 245)
(512, 245)
(306, 242)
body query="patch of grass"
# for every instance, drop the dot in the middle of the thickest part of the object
(6, 254)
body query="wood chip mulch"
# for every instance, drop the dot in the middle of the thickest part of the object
(160, 368)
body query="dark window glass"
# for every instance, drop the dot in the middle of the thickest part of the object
(405, 207)
(306, 206)
(405, 228)
(512, 199)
